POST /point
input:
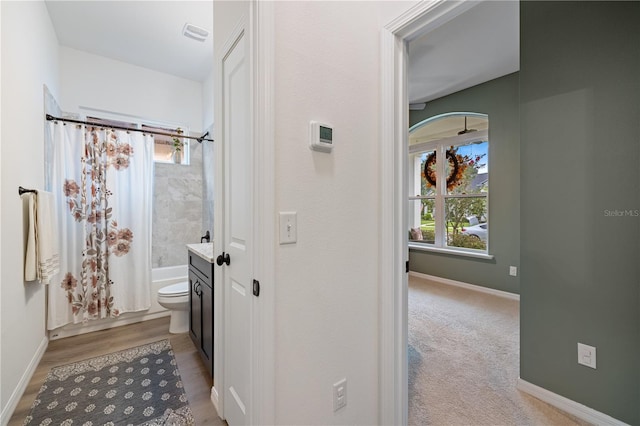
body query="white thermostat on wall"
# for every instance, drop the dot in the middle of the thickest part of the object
(320, 136)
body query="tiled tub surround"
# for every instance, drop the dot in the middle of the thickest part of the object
(177, 209)
(208, 160)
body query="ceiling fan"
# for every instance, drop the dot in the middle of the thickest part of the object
(465, 131)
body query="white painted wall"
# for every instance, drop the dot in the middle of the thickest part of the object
(327, 62)
(93, 81)
(207, 102)
(327, 68)
(29, 60)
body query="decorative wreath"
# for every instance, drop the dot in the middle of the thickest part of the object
(455, 171)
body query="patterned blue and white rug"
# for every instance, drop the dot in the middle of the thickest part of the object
(137, 386)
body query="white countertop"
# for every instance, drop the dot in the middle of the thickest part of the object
(204, 250)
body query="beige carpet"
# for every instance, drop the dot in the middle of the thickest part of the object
(464, 360)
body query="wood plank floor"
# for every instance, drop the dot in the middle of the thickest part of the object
(197, 383)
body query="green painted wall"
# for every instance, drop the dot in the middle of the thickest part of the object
(499, 99)
(580, 198)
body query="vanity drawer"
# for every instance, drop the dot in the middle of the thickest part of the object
(202, 266)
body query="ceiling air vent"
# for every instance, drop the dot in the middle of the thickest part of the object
(195, 32)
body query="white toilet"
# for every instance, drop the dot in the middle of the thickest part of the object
(175, 297)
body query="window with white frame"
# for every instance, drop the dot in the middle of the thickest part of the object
(450, 213)
(169, 149)
(166, 149)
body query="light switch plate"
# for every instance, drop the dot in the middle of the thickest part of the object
(340, 394)
(288, 227)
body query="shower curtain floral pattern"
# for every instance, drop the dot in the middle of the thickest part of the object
(89, 204)
(103, 184)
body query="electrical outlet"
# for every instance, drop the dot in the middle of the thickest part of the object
(587, 355)
(340, 394)
(513, 271)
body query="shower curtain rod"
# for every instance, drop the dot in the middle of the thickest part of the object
(88, 123)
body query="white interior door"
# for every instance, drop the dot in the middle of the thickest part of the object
(238, 216)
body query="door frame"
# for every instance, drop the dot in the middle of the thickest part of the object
(394, 118)
(261, 71)
(257, 26)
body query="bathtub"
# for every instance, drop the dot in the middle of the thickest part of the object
(160, 277)
(169, 273)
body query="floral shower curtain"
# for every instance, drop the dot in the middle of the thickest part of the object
(102, 180)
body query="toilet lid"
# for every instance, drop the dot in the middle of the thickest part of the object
(175, 289)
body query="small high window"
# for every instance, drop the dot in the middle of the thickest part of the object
(169, 149)
(166, 149)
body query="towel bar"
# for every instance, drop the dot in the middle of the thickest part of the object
(22, 190)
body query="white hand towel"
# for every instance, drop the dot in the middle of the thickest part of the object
(42, 244)
(31, 258)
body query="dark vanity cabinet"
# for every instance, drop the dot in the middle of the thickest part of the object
(201, 309)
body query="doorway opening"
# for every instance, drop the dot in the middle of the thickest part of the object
(424, 32)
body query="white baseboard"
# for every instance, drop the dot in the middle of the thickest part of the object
(567, 405)
(14, 399)
(215, 400)
(468, 286)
